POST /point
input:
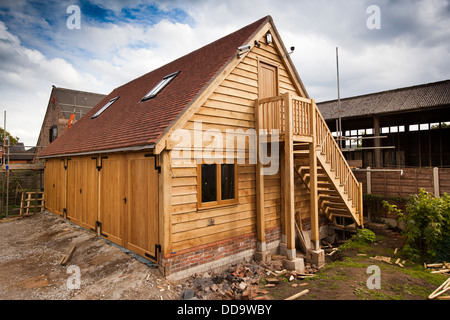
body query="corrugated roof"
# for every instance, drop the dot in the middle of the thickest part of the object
(129, 122)
(404, 99)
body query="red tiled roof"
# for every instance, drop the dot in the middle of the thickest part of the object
(129, 122)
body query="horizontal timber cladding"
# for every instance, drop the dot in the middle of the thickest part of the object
(230, 107)
(115, 195)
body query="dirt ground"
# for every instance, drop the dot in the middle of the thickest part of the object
(31, 250)
(347, 273)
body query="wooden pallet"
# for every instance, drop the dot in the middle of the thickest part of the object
(35, 197)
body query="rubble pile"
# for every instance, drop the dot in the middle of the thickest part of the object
(242, 281)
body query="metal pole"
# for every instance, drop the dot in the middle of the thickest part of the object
(339, 101)
(3, 161)
(7, 177)
(6, 163)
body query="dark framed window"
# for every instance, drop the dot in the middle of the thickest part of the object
(217, 184)
(53, 133)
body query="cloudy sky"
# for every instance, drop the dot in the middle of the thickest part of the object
(119, 40)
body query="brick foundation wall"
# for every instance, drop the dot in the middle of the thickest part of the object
(217, 255)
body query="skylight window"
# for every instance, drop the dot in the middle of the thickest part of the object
(106, 106)
(161, 85)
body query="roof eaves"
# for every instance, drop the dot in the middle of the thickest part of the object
(114, 150)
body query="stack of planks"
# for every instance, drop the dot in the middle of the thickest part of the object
(443, 267)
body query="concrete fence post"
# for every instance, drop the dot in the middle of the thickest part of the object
(436, 181)
(369, 181)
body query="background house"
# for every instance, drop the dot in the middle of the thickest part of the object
(18, 154)
(62, 104)
(414, 122)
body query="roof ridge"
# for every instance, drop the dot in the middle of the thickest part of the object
(388, 91)
(79, 91)
(260, 21)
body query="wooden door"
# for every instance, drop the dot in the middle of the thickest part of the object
(142, 205)
(113, 198)
(268, 87)
(267, 80)
(54, 186)
(82, 191)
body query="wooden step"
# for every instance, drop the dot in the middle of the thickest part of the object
(322, 191)
(324, 185)
(301, 152)
(334, 198)
(335, 205)
(339, 212)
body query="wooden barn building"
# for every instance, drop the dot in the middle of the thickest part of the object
(413, 123)
(215, 157)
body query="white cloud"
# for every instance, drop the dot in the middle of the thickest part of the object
(412, 47)
(27, 76)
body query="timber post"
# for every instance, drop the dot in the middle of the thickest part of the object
(261, 253)
(289, 180)
(313, 180)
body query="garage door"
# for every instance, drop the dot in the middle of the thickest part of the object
(142, 205)
(54, 184)
(82, 191)
(113, 185)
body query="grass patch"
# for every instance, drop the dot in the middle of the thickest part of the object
(419, 272)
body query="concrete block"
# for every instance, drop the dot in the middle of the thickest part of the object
(316, 257)
(263, 256)
(296, 264)
(283, 249)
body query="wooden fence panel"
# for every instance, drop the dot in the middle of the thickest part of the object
(444, 180)
(404, 182)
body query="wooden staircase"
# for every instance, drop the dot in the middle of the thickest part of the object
(300, 123)
(333, 198)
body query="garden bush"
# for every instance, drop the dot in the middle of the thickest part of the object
(364, 235)
(427, 227)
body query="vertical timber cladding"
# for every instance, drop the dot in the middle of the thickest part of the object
(142, 205)
(54, 186)
(119, 193)
(113, 186)
(82, 191)
(129, 202)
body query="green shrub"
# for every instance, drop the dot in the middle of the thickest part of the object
(364, 235)
(360, 239)
(427, 227)
(374, 205)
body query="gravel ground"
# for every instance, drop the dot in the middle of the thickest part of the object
(31, 250)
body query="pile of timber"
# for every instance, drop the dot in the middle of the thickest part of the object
(444, 287)
(242, 281)
(442, 267)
